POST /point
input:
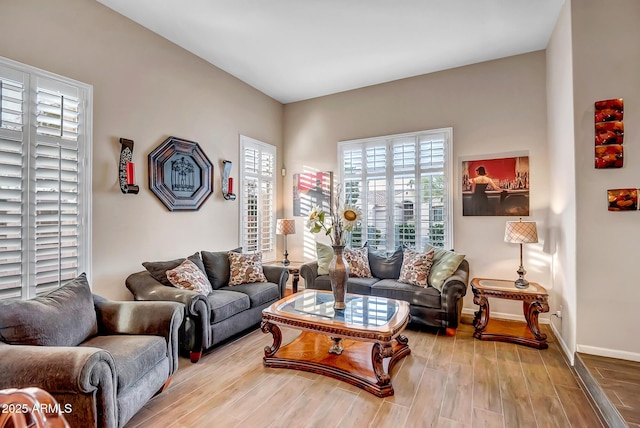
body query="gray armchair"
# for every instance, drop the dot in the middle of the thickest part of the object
(101, 360)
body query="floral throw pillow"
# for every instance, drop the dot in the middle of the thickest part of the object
(415, 267)
(246, 268)
(358, 259)
(188, 276)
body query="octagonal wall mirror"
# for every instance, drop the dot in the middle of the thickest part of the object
(180, 174)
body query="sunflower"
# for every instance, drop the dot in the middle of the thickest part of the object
(349, 216)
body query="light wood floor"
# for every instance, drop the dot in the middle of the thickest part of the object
(445, 382)
(618, 382)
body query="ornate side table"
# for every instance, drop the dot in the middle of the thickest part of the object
(294, 271)
(534, 301)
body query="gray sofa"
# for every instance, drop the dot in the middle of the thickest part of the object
(225, 312)
(428, 306)
(101, 360)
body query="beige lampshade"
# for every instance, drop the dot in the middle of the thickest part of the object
(285, 226)
(521, 232)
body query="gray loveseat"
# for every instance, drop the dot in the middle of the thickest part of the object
(438, 306)
(101, 360)
(225, 312)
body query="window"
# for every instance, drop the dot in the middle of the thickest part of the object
(257, 197)
(403, 185)
(45, 180)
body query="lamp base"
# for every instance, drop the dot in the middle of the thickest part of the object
(286, 261)
(521, 282)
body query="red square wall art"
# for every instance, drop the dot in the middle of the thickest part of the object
(623, 199)
(609, 133)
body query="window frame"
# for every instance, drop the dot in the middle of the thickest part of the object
(385, 169)
(246, 143)
(35, 81)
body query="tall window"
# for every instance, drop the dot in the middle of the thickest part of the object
(403, 183)
(45, 180)
(257, 197)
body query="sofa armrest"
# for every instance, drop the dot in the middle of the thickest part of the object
(278, 275)
(57, 369)
(453, 289)
(309, 272)
(144, 318)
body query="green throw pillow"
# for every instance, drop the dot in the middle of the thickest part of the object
(445, 263)
(325, 254)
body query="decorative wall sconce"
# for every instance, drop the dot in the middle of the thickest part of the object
(127, 176)
(227, 182)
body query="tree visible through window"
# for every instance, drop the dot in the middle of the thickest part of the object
(380, 175)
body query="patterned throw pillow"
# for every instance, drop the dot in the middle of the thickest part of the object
(246, 268)
(358, 259)
(415, 267)
(188, 276)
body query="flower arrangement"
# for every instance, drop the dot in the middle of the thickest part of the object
(341, 219)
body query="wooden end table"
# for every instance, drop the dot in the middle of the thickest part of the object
(534, 301)
(294, 271)
(358, 345)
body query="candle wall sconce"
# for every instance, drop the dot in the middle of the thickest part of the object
(127, 176)
(227, 182)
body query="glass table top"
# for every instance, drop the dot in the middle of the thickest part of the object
(360, 311)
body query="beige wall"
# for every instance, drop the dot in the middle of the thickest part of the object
(147, 89)
(493, 107)
(606, 64)
(562, 210)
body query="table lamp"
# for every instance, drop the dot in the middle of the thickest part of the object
(521, 232)
(285, 227)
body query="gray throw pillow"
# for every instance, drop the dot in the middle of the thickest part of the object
(385, 266)
(63, 317)
(158, 270)
(217, 266)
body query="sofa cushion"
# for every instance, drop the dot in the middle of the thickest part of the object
(428, 297)
(216, 265)
(354, 285)
(445, 263)
(245, 268)
(158, 270)
(324, 253)
(227, 303)
(63, 317)
(188, 276)
(415, 267)
(133, 355)
(383, 266)
(358, 261)
(259, 292)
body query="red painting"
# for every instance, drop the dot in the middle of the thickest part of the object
(609, 156)
(609, 132)
(623, 199)
(609, 110)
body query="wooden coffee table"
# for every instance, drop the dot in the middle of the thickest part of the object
(358, 345)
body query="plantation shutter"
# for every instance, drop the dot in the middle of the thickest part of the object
(257, 198)
(45, 181)
(401, 183)
(13, 86)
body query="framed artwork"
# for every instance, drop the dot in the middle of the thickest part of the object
(496, 186)
(622, 199)
(609, 133)
(310, 190)
(180, 174)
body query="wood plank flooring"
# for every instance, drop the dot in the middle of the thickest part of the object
(615, 386)
(445, 382)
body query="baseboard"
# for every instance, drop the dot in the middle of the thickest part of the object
(611, 353)
(504, 316)
(607, 410)
(563, 345)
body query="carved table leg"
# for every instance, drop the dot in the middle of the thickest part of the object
(267, 327)
(378, 353)
(531, 311)
(482, 314)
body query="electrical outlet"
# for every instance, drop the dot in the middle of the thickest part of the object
(558, 314)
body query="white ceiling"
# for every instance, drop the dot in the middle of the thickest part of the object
(299, 49)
